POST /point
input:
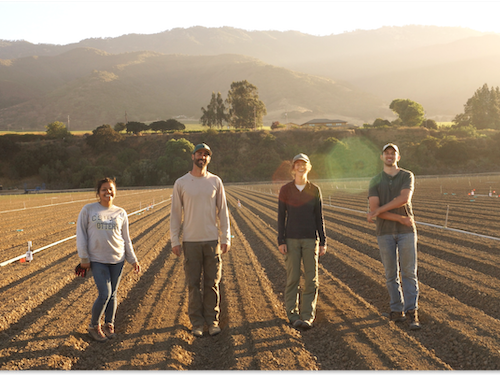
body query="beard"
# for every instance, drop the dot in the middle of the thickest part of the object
(200, 163)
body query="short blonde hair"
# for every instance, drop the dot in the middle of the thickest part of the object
(308, 167)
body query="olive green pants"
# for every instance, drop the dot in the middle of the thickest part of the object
(202, 260)
(301, 305)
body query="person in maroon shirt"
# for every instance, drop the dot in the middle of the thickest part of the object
(301, 238)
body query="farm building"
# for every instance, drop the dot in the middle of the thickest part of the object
(325, 123)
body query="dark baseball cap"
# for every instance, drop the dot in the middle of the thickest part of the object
(202, 146)
(390, 145)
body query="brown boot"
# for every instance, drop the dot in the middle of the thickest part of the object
(96, 333)
(109, 330)
(397, 316)
(413, 318)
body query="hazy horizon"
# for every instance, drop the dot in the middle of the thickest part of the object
(45, 22)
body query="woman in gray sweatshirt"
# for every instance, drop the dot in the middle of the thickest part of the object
(103, 244)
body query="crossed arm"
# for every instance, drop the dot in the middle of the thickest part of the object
(382, 211)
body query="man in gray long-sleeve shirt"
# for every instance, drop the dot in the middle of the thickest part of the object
(200, 194)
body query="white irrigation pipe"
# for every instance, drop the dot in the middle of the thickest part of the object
(57, 204)
(430, 225)
(66, 239)
(422, 223)
(35, 251)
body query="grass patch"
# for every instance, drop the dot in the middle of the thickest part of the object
(445, 124)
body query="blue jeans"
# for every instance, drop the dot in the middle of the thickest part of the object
(399, 254)
(106, 277)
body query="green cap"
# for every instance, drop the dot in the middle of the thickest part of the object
(202, 146)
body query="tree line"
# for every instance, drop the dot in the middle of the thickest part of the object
(76, 162)
(481, 111)
(59, 129)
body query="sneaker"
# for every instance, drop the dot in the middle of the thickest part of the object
(397, 316)
(109, 330)
(214, 330)
(197, 331)
(297, 324)
(306, 325)
(413, 317)
(96, 333)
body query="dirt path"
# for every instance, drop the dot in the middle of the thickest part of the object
(45, 309)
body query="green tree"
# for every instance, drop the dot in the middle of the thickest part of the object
(380, 123)
(482, 110)
(430, 124)
(8, 148)
(209, 115)
(158, 126)
(120, 126)
(220, 111)
(245, 108)
(411, 113)
(176, 161)
(173, 124)
(57, 129)
(136, 127)
(103, 137)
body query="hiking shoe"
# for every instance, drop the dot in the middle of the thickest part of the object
(197, 331)
(96, 333)
(397, 316)
(109, 330)
(413, 317)
(306, 325)
(214, 330)
(297, 324)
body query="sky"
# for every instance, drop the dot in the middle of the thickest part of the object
(64, 22)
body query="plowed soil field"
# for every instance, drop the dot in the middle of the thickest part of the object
(45, 308)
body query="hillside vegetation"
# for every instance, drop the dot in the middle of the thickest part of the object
(245, 156)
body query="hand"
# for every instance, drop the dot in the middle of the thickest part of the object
(177, 250)
(322, 250)
(137, 267)
(224, 248)
(283, 249)
(85, 265)
(406, 220)
(371, 215)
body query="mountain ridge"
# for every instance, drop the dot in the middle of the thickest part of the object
(438, 67)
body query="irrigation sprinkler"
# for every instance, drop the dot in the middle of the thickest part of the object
(446, 220)
(29, 253)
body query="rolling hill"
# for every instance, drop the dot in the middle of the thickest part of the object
(353, 75)
(94, 88)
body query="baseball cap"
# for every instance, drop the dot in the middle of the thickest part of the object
(202, 146)
(390, 145)
(302, 157)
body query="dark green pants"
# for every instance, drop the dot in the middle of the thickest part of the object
(202, 260)
(301, 305)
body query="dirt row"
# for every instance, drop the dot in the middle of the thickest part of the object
(458, 277)
(45, 309)
(41, 223)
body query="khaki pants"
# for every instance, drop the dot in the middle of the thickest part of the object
(306, 250)
(203, 260)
